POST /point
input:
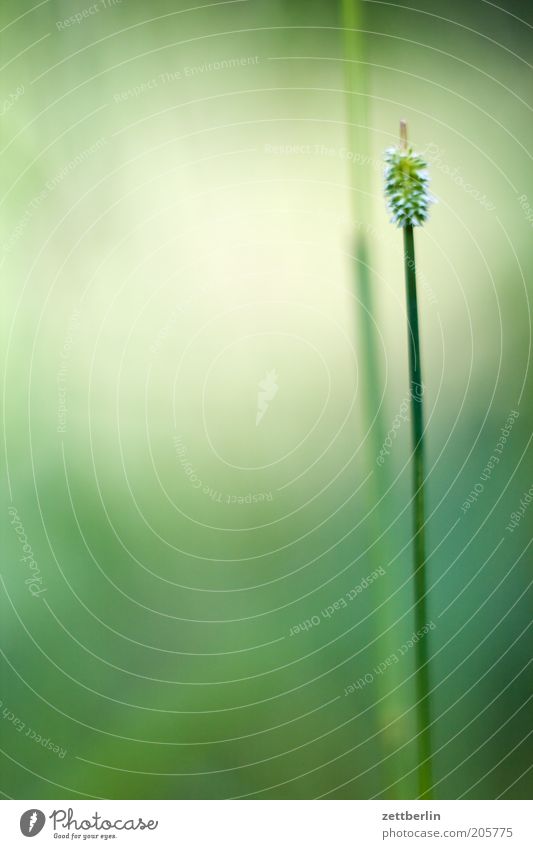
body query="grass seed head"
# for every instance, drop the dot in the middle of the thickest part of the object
(406, 187)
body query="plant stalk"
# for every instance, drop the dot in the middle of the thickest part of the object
(420, 560)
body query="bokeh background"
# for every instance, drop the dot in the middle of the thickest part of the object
(197, 385)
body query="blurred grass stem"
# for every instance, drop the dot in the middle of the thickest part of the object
(390, 707)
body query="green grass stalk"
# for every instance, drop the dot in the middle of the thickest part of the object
(419, 521)
(406, 189)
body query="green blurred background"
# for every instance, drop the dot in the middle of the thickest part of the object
(181, 188)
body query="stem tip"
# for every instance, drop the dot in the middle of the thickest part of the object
(403, 134)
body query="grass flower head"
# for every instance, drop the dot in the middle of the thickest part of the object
(406, 186)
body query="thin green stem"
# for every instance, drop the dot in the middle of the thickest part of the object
(420, 561)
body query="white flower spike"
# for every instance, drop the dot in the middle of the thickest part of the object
(406, 186)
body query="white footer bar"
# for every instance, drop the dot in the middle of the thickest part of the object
(268, 824)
